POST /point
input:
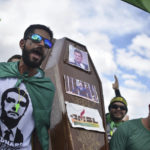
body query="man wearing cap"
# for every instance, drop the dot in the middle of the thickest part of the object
(117, 111)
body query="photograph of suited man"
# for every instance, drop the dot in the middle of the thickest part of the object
(10, 118)
(79, 89)
(78, 60)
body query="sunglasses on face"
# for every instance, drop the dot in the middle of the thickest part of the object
(37, 39)
(117, 106)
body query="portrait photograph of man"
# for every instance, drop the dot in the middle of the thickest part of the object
(78, 58)
(80, 88)
(11, 115)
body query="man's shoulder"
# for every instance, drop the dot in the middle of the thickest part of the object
(86, 66)
(72, 62)
(8, 63)
(130, 123)
(18, 132)
(8, 69)
(19, 136)
(133, 121)
(4, 65)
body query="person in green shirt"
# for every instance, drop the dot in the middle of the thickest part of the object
(132, 135)
(117, 111)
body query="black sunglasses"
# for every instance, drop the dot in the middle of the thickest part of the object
(117, 106)
(38, 38)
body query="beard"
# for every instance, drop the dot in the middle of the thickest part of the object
(34, 63)
(117, 118)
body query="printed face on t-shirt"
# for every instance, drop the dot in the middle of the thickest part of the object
(16, 125)
(10, 103)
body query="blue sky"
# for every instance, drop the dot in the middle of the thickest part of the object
(115, 33)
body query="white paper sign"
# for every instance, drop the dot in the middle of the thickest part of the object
(84, 117)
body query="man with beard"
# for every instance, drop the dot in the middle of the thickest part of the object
(117, 111)
(9, 117)
(26, 75)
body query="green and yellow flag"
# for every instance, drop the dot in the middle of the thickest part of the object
(142, 4)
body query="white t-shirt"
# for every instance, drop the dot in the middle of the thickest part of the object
(16, 126)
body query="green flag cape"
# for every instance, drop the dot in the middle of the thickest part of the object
(143, 4)
(41, 91)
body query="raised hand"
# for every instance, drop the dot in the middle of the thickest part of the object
(115, 85)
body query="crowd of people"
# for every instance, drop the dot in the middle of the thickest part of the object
(22, 83)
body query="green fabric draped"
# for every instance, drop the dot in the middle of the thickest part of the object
(41, 91)
(142, 4)
(112, 123)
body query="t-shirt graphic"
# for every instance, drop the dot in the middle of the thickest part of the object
(14, 106)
